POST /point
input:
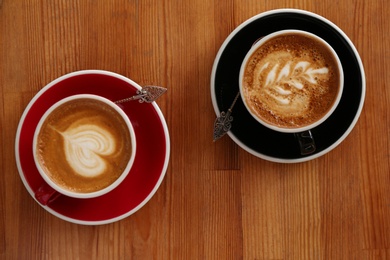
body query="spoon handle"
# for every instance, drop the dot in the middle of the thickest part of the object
(223, 122)
(147, 94)
(139, 96)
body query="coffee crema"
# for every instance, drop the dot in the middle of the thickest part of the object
(291, 81)
(84, 145)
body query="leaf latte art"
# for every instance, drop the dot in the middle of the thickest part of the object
(290, 81)
(285, 81)
(85, 148)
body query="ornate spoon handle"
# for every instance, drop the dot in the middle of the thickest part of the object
(223, 122)
(147, 94)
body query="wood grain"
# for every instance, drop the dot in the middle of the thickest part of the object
(217, 201)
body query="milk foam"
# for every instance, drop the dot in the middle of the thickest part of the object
(281, 81)
(85, 146)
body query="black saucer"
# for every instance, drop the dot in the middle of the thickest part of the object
(246, 131)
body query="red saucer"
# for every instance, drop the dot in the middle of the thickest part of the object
(151, 161)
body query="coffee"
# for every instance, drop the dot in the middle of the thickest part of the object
(291, 81)
(84, 145)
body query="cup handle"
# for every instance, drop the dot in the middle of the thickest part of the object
(46, 194)
(306, 142)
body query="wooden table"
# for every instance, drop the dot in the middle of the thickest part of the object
(217, 201)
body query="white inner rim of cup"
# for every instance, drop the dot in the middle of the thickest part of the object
(112, 185)
(298, 129)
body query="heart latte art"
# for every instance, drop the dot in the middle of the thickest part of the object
(84, 145)
(291, 81)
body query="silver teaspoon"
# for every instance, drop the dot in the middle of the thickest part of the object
(147, 94)
(223, 122)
